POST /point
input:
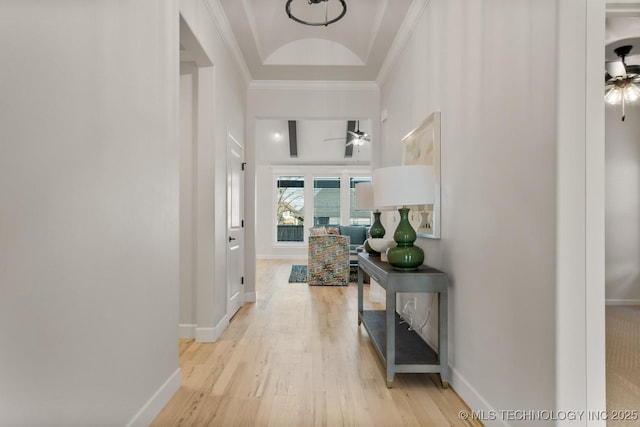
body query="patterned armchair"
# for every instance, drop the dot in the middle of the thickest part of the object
(328, 260)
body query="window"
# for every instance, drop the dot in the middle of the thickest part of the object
(290, 208)
(357, 217)
(326, 201)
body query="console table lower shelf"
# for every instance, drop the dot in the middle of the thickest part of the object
(412, 353)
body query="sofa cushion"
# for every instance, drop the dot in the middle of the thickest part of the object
(318, 231)
(357, 234)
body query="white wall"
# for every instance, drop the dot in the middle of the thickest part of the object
(497, 98)
(622, 220)
(89, 211)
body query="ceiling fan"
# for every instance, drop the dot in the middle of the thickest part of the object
(358, 137)
(622, 80)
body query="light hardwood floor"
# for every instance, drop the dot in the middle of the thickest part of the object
(298, 358)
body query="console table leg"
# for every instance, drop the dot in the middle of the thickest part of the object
(360, 294)
(443, 332)
(391, 336)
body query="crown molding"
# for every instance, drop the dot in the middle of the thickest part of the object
(224, 28)
(402, 37)
(313, 85)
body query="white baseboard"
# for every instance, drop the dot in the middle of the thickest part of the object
(186, 331)
(205, 335)
(154, 405)
(622, 302)
(474, 400)
(212, 334)
(249, 297)
(293, 257)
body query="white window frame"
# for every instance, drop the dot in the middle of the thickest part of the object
(310, 173)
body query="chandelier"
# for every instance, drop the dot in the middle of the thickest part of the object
(327, 20)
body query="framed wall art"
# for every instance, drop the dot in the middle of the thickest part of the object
(421, 146)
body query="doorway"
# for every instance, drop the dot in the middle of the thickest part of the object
(196, 233)
(622, 216)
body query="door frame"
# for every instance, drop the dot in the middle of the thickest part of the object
(205, 328)
(579, 311)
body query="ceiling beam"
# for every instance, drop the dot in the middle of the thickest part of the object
(293, 139)
(348, 149)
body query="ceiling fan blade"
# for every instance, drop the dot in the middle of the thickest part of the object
(616, 69)
(633, 69)
(333, 139)
(360, 135)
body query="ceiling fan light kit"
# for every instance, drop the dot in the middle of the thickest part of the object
(359, 137)
(621, 86)
(326, 21)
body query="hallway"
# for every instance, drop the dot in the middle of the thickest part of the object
(297, 358)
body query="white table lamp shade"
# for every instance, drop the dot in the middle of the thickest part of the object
(403, 185)
(364, 196)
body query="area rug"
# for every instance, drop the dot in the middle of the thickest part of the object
(299, 274)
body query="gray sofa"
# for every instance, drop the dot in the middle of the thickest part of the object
(357, 235)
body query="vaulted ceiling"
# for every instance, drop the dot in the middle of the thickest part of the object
(275, 47)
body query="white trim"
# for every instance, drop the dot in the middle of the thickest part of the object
(224, 29)
(156, 402)
(474, 400)
(250, 297)
(220, 327)
(205, 335)
(298, 169)
(187, 331)
(622, 302)
(594, 327)
(579, 310)
(278, 257)
(212, 334)
(403, 35)
(622, 8)
(313, 85)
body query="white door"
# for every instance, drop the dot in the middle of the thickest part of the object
(235, 226)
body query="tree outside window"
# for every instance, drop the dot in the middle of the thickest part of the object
(290, 208)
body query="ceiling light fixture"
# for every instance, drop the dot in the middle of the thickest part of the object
(326, 21)
(622, 86)
(359, 137)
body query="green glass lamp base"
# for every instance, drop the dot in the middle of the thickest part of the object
(405, 256)
(377, 231)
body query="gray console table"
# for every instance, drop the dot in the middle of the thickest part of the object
(401, 349)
